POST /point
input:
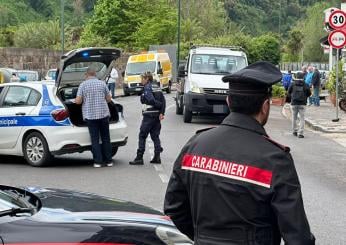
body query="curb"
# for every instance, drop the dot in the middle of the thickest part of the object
(313, 125)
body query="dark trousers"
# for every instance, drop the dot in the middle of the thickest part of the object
(150, 124)
(100, 127)
(111, 87)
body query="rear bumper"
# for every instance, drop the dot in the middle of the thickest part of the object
(206, 103)
(132, 88)
(73, 148)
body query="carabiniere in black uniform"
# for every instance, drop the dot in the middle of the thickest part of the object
(154, 104)
(234, 185)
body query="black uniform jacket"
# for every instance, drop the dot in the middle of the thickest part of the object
(153, 98)
(234, 185)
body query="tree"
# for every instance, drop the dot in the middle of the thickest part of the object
(38, 35)
(265, 47)
(117, 20)
(294, 45)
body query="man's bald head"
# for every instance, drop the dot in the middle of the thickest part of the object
(91, 72)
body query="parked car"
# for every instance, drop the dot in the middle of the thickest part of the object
(40, 120)
(34, 215)
(8, 75)
(51, 74)
(26, 75)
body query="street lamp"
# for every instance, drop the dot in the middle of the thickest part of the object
(62, 2)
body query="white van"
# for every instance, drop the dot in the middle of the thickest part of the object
(200, 87)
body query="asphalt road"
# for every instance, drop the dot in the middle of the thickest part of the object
(320, 162)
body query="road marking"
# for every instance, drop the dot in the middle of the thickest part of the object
(158, 167)
(170, 106)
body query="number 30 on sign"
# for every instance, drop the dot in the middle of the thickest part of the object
(337, 20)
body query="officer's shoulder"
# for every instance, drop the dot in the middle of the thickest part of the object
(203, 130)
(280, 146)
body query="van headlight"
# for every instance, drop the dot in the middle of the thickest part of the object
(196, 89)
(171, 236)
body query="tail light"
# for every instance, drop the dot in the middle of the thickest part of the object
(60, 115)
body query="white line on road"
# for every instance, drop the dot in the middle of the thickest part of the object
(170, 106)
(158, 167)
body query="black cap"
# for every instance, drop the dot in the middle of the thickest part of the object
(256, 78)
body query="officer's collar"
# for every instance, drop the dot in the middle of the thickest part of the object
(244, 121)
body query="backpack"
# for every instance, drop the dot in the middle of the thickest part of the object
(298, 95)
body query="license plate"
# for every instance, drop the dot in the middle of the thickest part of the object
(138, 89)
(219, 109)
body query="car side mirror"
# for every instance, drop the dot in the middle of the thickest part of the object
(159, 71)
(181, 71)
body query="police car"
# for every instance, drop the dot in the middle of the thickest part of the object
(39, 120)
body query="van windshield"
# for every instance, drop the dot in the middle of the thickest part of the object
(140, 67)
(216, 64)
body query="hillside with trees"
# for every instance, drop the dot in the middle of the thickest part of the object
(267, 29)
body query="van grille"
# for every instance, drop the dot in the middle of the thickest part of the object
(216, 91)
(135, 85)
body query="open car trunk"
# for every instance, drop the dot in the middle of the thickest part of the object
(75, 111)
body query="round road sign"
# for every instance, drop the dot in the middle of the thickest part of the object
(337, 39)
(337, 19)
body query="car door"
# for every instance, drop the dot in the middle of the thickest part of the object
(16, 104)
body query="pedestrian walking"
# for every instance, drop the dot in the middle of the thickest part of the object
(112, 81)
(154, 106)
(94, 95)
(286, 80)
(308, 80)
(233, 184)
(316, 86)
(298, 92)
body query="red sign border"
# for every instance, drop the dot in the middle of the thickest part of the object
(331, 22)
(329, 39)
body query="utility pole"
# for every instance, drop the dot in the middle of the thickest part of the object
(62, 2)
(178, 48)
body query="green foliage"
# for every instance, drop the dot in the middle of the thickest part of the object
(38, 35)
(331, 83)
(294, 44)
(266, 48)
(6, 37)
(278, 91)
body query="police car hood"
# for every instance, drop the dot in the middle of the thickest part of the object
(73, 65)
(209, 81)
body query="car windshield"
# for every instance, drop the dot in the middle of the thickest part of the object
(27, 76)
(216, 64)
(76, 71)
(8, 201)
(140, 67)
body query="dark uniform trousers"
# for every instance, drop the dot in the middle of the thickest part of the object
(150, 124)
(234, 185)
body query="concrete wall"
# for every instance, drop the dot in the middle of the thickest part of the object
(42, 60)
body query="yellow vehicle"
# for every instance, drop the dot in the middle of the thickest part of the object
(156, 62)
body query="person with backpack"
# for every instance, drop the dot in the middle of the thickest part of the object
(298, 92)
(154, 105)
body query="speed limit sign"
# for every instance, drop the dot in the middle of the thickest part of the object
(337, 39)
(337, 19)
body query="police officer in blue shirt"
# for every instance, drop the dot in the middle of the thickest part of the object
(154, 106)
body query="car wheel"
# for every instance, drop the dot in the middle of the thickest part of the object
(126, 93)
(342, 104)
(35, 150)
(114, 150)
(179, 108)
(187, 115)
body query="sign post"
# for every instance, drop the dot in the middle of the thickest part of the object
(337, 39)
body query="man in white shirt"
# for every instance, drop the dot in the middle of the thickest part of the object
(112, 80)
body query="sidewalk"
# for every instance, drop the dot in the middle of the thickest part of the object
(320, 118)
(119, 92)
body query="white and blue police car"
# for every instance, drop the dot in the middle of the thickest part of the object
(39, 120)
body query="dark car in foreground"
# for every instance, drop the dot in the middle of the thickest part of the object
(54, 216)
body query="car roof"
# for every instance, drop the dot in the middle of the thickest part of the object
(215, 50)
